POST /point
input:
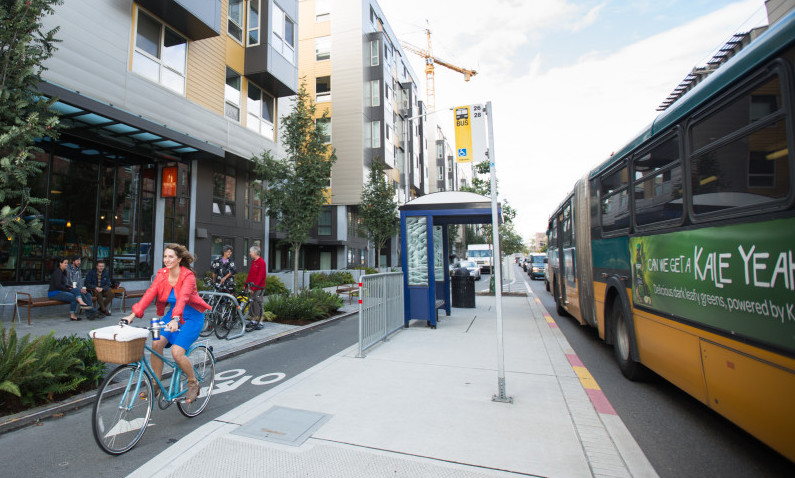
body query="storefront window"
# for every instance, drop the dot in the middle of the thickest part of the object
(100, 207)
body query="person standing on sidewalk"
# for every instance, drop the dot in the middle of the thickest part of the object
(175, 285)
(224, 270)
(256, 280)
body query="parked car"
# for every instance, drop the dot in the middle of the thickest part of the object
(474, 269)
(537, 265)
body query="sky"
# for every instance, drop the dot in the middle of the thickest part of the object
(570, 81)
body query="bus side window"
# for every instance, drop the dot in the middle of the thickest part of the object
(741, 158)
(614, 200)
(658, 184)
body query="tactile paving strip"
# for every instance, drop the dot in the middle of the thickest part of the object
(245, 458)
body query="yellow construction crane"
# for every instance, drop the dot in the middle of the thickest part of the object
(430, 61)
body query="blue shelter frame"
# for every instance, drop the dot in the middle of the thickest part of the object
(425, 250)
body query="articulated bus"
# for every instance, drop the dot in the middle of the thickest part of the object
(680, 248)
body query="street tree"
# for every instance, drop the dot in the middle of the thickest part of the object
(296, 183)
(24, 114)
(379, 210)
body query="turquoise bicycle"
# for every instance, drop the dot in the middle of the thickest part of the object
(124, 402)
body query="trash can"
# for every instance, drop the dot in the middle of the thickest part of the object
(462, 289)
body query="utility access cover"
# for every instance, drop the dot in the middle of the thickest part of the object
(287, 426)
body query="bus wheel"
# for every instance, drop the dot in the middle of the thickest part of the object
(622, 342)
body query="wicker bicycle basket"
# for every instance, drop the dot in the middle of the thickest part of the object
(111, 351)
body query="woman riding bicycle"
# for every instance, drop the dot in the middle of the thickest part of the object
(175, 284)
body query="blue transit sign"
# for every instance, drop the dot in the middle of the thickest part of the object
(462, 152)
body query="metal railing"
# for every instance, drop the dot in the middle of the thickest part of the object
(380, 308)
(206, 294)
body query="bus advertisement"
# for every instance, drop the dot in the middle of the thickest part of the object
(678, 248)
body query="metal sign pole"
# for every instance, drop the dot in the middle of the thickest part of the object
(496, 263)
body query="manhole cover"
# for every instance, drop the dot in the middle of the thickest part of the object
(287, 426)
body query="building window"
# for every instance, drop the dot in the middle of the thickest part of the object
(322, 10)
(253, 22)
(374, 53)
(254, 209)
(324, 126)
(324, 222)
(354, 223)
(218, 243)
(375, 131)
(232, 95)
(234, 24)
(323, 48)
(160, 53)
(372, 134)
(224, 190)
(283, 34)
(259, 107)
(372, 92)
(322, 89)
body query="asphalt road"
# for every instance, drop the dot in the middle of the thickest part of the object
(65, 447)
(680, 436)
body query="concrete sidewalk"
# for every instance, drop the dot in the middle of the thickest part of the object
(421, 405)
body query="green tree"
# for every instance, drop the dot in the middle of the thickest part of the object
(379, 210)
(24, 114)
(296, 183)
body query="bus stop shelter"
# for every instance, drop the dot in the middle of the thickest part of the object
(425, 250)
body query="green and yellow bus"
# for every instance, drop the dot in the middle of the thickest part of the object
(680, 248)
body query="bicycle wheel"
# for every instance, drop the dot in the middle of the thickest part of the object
(223, 316)
(204, 367)
(120, 414)
(209, 324)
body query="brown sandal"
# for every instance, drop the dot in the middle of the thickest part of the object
(193, 390)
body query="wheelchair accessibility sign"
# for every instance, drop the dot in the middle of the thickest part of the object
(462, 152)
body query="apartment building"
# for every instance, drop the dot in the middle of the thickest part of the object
(359, 75)
(164, 104)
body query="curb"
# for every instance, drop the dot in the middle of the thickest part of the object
(22, 419)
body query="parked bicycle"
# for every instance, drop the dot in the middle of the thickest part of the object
(126, 398)
(230, 317)
(210, 317)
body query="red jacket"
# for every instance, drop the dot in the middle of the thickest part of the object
(257, 274)
(185, 291)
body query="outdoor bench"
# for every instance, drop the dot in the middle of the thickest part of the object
(349, 289)
(31, 302)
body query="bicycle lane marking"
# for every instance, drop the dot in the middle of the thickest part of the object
(232, 379)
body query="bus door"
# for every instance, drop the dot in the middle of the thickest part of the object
(568, 260)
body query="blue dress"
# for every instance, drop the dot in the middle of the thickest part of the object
(189, 331)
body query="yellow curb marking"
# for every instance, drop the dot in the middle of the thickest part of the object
(586, 379)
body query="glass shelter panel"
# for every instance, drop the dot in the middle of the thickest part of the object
(417, 250)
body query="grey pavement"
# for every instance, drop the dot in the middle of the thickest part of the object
(420, 404)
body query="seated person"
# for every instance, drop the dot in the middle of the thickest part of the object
(99, 284)
(61, 289)
(74, 275)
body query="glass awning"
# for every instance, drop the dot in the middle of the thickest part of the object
(111, 126)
